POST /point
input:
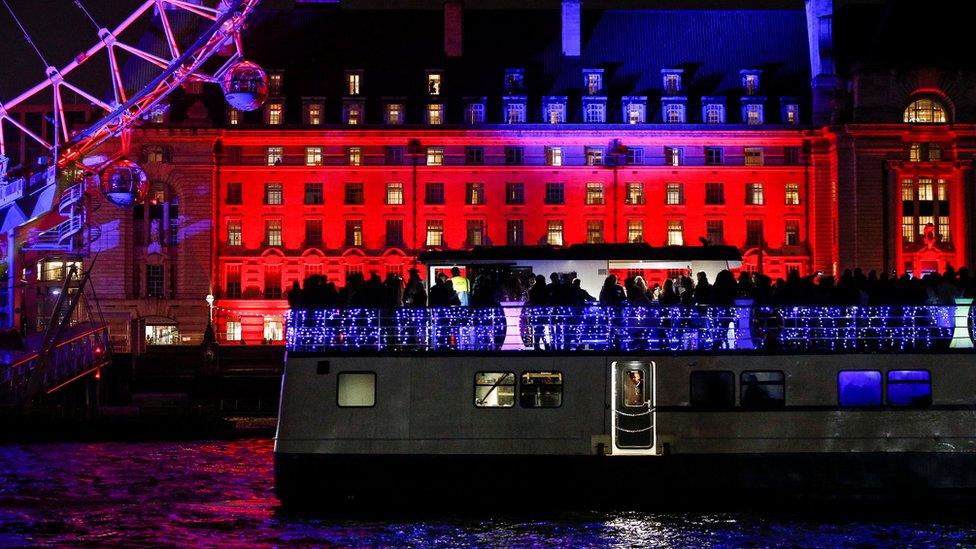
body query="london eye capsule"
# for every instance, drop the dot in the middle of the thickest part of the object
(124, 183)
(245, 86)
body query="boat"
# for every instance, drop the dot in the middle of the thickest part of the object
(636, 405)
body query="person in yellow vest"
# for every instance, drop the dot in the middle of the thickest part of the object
(461, 286)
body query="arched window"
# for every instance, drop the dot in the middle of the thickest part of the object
(925, 111)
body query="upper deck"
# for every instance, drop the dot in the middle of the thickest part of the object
(742, 328)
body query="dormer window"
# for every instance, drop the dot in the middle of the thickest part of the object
(791, 114)
(474, 112)
(753, 113)
(393, 114)
(594, 112)
(352, 113)
(750, 81)
(672, 81)
(435, 113)
(234, 117)
(554, 109)
(674, 113)
(515, 111)
(514, 81)
(593, 81)
(353, 81)
(635, 110)
(713, 112)
(433, 83)
(313, 112)
(274, 83)
(274, 113)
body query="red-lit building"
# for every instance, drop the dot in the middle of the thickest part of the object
(747, 128)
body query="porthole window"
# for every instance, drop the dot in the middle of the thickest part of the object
(541, 390)
(859, 388)
(357, 389)
(910, 388)
(494, 389)
(925, 111)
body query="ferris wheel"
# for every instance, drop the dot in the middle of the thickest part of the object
(200, 41)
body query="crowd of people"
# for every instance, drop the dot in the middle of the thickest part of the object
(853, 287)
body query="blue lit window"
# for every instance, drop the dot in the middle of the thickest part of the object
(859, 388)
(909, 388)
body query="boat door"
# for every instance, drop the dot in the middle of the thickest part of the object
(633, 395)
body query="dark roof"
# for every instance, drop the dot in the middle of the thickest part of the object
(394, 47)
(621, 252)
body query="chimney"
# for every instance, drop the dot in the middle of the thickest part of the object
(571, 27)
(453, 27)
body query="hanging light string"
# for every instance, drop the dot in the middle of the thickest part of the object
(87, 14)
(26, 34)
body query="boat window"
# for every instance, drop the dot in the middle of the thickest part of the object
(357, 389)
(494, 389)
(759, 389)
(909, 388)
(859, 388)
(541, 390)
(713, 389)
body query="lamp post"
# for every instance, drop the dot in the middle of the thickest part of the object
(210, 302)
(616, 156)
(414, 149)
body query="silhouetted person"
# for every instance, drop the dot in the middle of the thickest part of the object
(415, 295)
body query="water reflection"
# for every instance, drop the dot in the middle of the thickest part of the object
(220, 493)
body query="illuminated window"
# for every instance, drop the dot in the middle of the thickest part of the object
(672, 83)
(233, 332)
(476, 232)
(594, 113)
(635, 193)
(234, 117)
(235, 194)
(354, 232)
(754, 113)
(792, 194)
(555, 113)
(859, 388)
(750, 83)
(435, 156)
(674, 113)
(158, 114)
(394, 232)
(935, 152)
(915, 152)
(514, 113)
(233, 281)
(435, 113)
(762, 389)
(274, 328)
(554, 232)
(393, 114)
(494, 389)
(925, 189)
(925, 111)
(314, 195)
(713, 156)
(594, 156)
(942, 190)
(635, 230)
(541, 390)
(942, 228)
(908, 190)
(354, 156)
(791, 114)
(156, 154)
(714, 194)
(515, 232)
(433, 83)
(792, 236)
(313, 232)
(474, 155)
(313, 156)
(514, 156)
(675, 194)
(715, 231)
(474, 113)
(353, 80)
(554, 156)
(676, 232)
(313, 113)
(274, 83)
(754, 194)
(274, 113)
(356, 389)
(394, 193)
(673, 156)
(594, 193)
(514, 193)
(909, 388)
(555, 193)
(474, 194)
(753, 156)
(272, 232)
(163, 334)
(233, 232)
(592, 82)
(272, 281)
(435, 232)
(352, 112)
(273, 194)
(393, 155)
(354, 194)
(714, 113)
(754, 232)
(635, 113)
(594, 231)
(275, 155)
(434, 193)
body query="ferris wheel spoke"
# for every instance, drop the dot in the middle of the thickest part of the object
(87, 95)
(27, 132)
(118, 88)
(155, 60)
(202, 11)
(174, 49)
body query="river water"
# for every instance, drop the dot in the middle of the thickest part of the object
(221, 494)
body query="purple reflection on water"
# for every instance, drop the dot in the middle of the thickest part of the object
(220, 494)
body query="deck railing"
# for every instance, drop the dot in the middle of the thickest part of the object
(626, 329)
